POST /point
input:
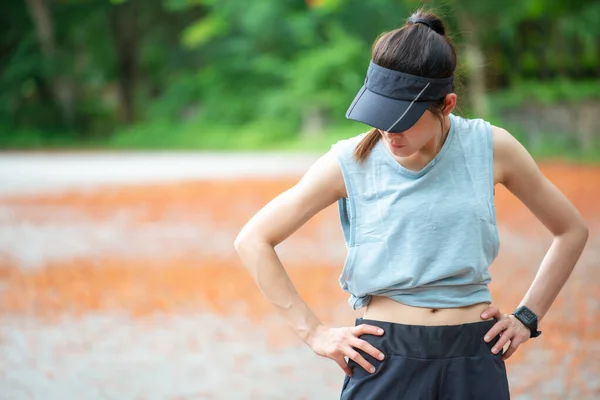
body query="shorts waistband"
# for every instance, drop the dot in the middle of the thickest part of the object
(431, 342)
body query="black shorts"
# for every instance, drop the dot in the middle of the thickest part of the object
(450, 362)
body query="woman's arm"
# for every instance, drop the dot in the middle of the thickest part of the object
(517, 171)
(321, 186)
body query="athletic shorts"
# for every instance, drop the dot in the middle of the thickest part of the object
(450, 362)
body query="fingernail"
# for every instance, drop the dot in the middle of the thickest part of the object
(486, 338)
(380, 331)
(381, 356)
(494, 350)
(484, 315)
(372, 369)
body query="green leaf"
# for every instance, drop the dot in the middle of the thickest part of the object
(204, 30)
(327, 5)
(181, 5)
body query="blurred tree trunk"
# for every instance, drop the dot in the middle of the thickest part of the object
(313, 122)
(62, 90)
(475, 64)
(586, 124)
(124, 29)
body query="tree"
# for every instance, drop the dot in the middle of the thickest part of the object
(123, 23)
(61, 88)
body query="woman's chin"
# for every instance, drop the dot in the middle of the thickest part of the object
(401, 151)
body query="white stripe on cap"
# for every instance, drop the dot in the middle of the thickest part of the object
(409, 106)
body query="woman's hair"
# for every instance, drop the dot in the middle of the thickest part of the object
(416, 49)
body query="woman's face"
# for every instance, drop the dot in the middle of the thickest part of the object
(404, 144)
(428, 127)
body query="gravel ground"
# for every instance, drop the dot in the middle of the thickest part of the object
(118, 281)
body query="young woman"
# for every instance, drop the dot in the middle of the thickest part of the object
(416, 202)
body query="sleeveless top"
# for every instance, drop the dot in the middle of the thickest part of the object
(423, 238)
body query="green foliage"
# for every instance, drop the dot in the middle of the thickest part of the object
(235, 74)
(201, 32)
(559, 90)
(161, 134)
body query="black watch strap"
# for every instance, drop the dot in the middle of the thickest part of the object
(529, 319)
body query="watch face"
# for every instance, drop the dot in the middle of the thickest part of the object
(527, 315)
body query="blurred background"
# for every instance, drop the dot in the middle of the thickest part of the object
(139, 136)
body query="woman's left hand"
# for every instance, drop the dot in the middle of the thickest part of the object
(509, 328)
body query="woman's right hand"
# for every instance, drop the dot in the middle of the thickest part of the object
(337, 343)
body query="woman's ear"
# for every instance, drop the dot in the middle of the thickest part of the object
(449, 103)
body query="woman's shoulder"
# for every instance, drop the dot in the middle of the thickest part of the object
(344, 148)
(497, 139)
(505, 144)
(474, 133)
(466, 124)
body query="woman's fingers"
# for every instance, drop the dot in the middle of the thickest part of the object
(496, 329)
(367, 348)
(364, 329)
(491, 312)
(338, 343)
(514, 345)
(506, 336)
(360, 360)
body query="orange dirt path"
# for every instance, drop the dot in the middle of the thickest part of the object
(188, 264)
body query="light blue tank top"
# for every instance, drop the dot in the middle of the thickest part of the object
(424, 238)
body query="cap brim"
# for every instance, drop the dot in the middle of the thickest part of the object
(387, 114)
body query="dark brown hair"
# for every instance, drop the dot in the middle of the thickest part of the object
(415, 49)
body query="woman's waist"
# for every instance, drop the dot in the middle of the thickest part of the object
(431, 342)
(384, 308)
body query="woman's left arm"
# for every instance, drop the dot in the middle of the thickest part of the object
(517, 171)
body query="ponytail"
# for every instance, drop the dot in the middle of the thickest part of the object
(366, 145)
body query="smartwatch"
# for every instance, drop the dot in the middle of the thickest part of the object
(529, 319)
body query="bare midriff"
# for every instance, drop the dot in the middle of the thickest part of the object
(385, 309)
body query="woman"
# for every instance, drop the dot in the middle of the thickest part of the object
(416, 202)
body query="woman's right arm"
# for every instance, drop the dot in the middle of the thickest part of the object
(321, 186)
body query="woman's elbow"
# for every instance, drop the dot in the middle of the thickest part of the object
(240, 243)
(581, 229)
(584, 231)
(247, 241)
(578, 231)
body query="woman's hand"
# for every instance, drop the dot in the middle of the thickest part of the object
(509, 328)
(337, 343)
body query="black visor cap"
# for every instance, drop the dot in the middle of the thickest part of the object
(394, 101)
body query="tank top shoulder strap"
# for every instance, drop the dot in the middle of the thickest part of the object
(344, 150)
(475, 139)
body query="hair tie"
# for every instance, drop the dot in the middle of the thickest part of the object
(422, 21)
